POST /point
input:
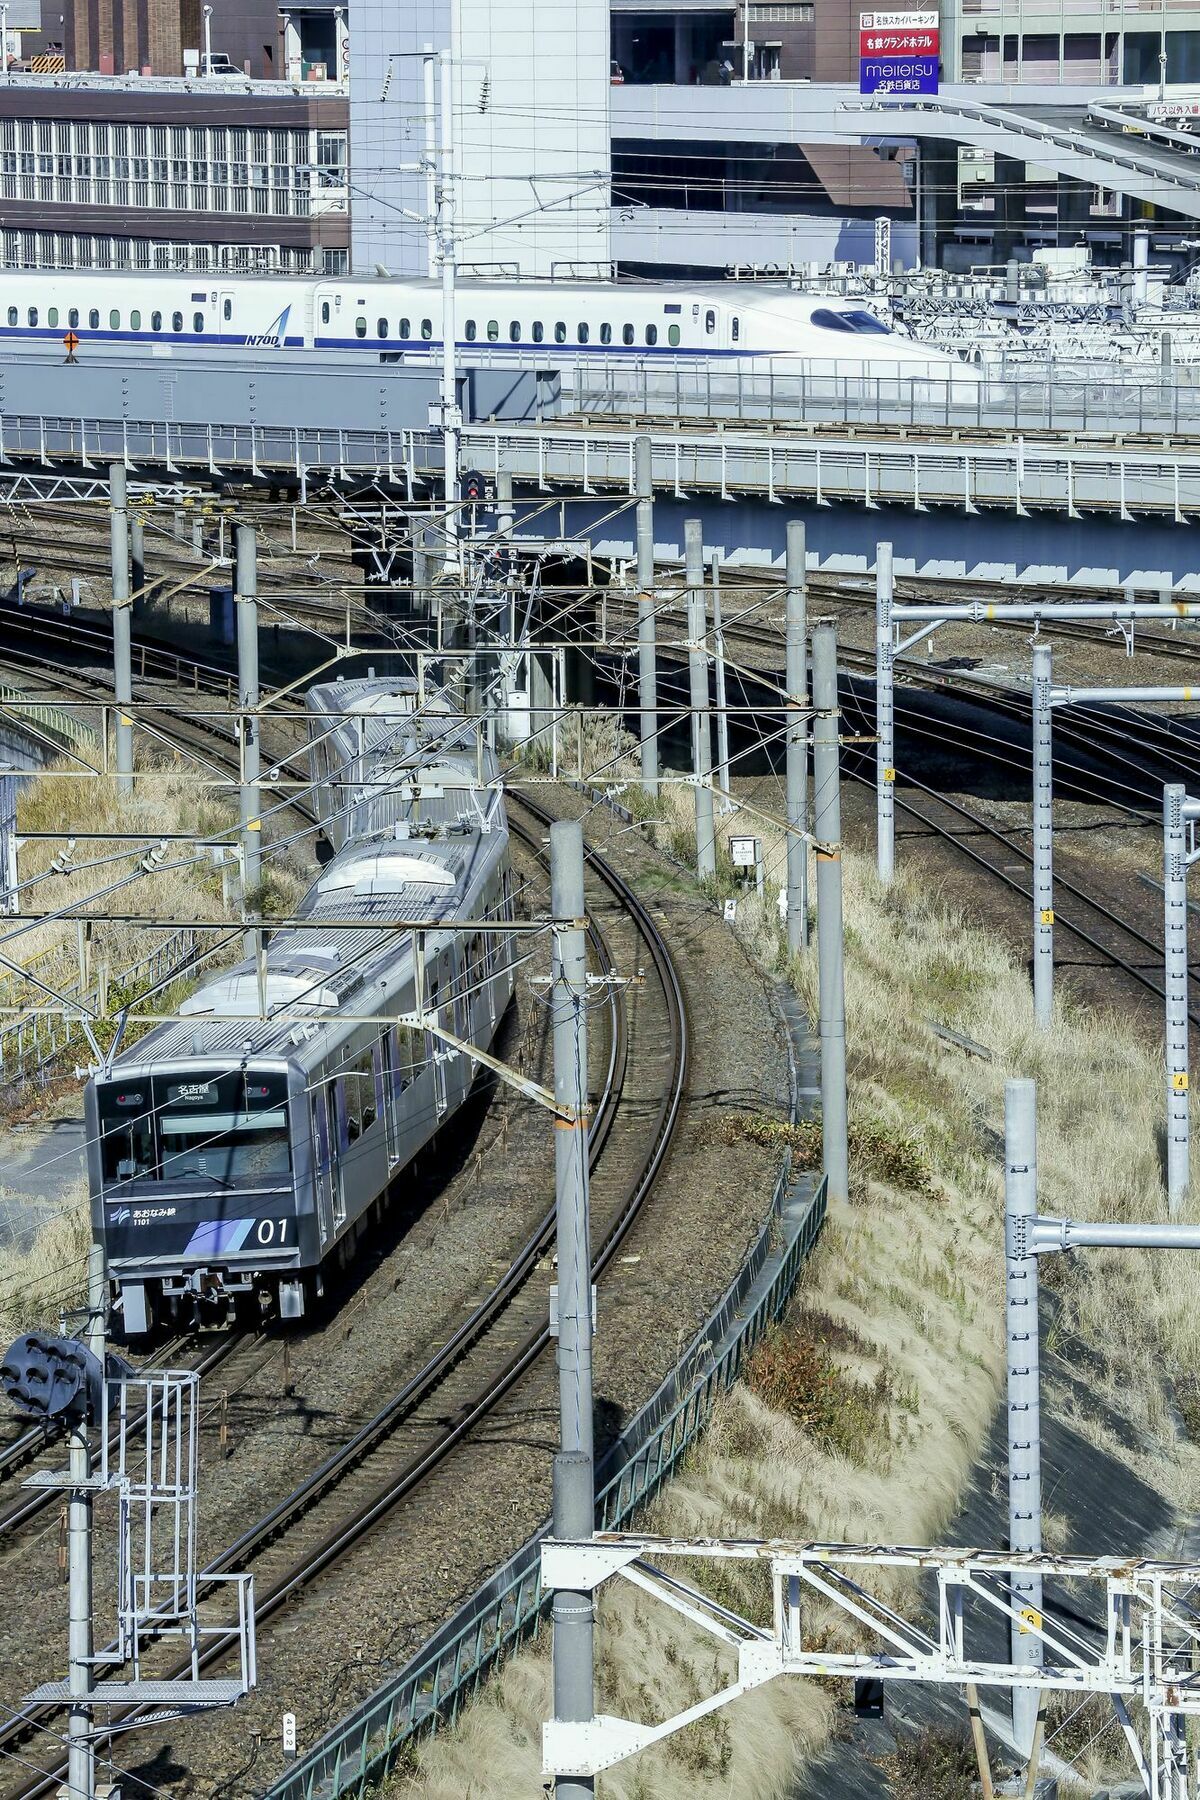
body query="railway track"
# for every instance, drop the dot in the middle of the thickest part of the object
(410, 1439)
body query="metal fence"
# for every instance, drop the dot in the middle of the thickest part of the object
(509, 1607)
(31, 1043)
(971, 399)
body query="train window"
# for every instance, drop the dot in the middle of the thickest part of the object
(227, 309)
(560, 332)
(197, 322)
(469, 330)
(94, 319)
(73, 317)
(156, 321)
(735, 328)
(114, 320)
(627, 334)
(583, 332)
(867, 322)
(324, 312)
(514, 331)
(135, 320)
(405, 328)
(539, 331)
(33, 315)
(652, 334)
(381, 328)
(126, 1139)
(52, 315)
(360, 326)
(829, 320)
(673, 336)
(493, 330)
(427, 329)
(710, 321)
(176, 321)
(12, 315)
(606, 334)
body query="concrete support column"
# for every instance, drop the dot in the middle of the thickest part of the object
(1043, 838)
(1024, 1401)
(706, 847)
(827, 832)
(574, 1478)
(647, 658)
(797, 740)
(122, 627)
(885, 716)
(1175, 983)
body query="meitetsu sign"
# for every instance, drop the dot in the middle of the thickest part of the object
(898, 52)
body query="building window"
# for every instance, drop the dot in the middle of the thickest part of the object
(335, 262)
(790, 12)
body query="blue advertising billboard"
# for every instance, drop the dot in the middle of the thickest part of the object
(898, 53)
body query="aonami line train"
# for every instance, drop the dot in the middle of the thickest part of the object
(233, 1159)
(754, 326)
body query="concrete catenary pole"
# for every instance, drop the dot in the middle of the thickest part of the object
(647, 658)
(1024, 1406)
(706, 846)
(723, 766)
(827, 833)
(1043, 838)
(574, 1514)
(885, 715)
(1176, 810)
(80, 1752)
(797, 740)
(246, 603)
(122, 627)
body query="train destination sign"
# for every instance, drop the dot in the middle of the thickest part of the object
(898, 52)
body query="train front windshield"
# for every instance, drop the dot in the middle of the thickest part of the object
(226, 1129)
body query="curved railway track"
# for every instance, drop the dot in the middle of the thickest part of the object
(416, 1431)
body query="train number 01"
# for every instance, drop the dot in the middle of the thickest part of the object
(271, 1231)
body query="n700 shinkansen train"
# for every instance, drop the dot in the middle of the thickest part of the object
(395, 319)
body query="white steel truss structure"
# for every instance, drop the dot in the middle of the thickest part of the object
(1141, 1644)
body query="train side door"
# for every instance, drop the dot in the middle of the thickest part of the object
(385, 1096)
(322, 1162)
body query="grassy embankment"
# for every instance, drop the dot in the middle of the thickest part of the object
(865, 1414)
(36, 1278)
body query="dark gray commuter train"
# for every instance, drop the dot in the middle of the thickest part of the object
(233, 1159)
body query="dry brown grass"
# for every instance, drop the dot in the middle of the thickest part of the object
(50, 1273)
(907, 1284)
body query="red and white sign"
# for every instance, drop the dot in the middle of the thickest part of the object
(896, 41)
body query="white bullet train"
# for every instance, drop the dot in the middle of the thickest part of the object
(377, 316)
